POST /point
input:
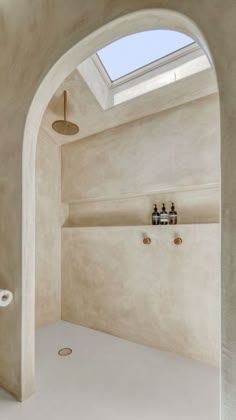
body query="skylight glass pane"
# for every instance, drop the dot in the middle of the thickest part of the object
(135, 51)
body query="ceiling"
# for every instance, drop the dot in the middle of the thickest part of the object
(84, 109)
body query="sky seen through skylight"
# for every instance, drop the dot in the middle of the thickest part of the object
(132, 52)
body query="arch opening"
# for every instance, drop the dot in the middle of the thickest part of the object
(139, 21)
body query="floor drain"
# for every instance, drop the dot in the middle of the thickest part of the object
(65, 352)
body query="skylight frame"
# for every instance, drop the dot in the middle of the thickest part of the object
(181, 52)
(104, 60)
(102, 70)
(184, 64)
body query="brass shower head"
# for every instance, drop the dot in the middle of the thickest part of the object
(67, 128)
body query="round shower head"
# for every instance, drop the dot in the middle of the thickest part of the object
(67, 128)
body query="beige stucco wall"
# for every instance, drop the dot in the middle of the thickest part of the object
(48, 231)
(33, 39)
(163, 295)
(110, 281)
(114, 177)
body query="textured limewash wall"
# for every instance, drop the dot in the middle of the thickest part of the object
(47, 30)
(114, 177)
(163, 295)
(110, 280)
(48, 231)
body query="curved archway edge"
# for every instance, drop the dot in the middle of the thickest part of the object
(130, 23)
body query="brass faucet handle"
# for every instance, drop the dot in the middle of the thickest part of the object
(178, 241)
(147, 241)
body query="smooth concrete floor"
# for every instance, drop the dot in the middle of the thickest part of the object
(107, 378)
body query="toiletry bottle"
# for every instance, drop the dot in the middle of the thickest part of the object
(172, 215)
(164, 218)
(155, 216)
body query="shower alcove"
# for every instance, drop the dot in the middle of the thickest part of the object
(94, 199)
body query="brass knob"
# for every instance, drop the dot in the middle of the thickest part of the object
(178, 241)
(147, 241)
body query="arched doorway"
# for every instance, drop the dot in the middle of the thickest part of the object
(152, 19)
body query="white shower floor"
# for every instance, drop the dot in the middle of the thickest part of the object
(107, 378)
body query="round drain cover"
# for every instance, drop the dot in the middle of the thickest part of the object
(65, 352)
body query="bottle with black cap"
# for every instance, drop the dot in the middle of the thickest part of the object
(155, 216)
(164, 218)
(173, 215)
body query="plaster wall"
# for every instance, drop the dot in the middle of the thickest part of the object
(114, 177)
(110, 280)
(63, 36)
(84, 108)
(48, 231)
(194, 205)
(161, 295)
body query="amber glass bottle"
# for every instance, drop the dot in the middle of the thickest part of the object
(173, 215)
(155, 216)
(164, 218)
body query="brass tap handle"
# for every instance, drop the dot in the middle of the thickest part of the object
(147, 241)
(178, 241)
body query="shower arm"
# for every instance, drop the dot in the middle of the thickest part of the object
(65, 104)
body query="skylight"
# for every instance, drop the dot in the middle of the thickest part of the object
(135, 51)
